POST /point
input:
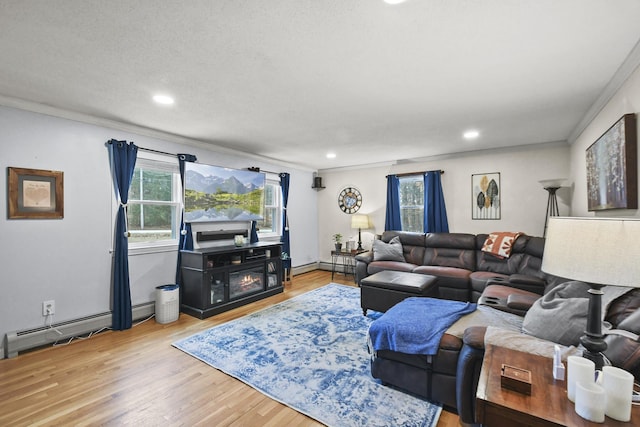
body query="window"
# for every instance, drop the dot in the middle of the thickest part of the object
(153, 210)
(412, 203)
(271, 224)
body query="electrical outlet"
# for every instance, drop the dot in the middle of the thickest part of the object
(48, 307)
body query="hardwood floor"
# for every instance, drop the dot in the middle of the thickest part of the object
(136, 377)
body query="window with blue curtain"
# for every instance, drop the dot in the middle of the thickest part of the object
(415, 203)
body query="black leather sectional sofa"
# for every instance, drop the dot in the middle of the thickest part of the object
(463, 271)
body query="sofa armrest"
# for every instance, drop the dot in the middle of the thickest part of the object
(362, 263)
(509, 299)
(527, 283)
(522, 300)
(474, 337)
(365, 257)
(468, 372)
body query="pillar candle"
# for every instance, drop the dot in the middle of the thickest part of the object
(590, 401)
(578, 369)
(618, 386)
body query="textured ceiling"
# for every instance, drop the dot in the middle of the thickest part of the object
(293, 79)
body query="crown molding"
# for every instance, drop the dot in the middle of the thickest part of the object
(49, 110)
(630, 64)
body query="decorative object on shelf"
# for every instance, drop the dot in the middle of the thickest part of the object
(238, 240)
(485, 192)
(35, 194)
(317, 182)
(359, 222)
(597, 251)
(612, 172)
(551, 185)
(351, 245)
(337, 238)
(350, 200)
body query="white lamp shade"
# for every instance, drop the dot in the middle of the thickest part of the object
(359, 221)
(604, 251)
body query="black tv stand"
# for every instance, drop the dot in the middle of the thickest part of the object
(218, 279)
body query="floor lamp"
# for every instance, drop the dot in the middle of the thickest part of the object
(599, 252)
(551, 185)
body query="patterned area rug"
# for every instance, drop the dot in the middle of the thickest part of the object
(310, 353)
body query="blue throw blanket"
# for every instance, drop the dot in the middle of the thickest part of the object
(415, 325)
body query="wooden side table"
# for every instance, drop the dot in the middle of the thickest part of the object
(347, 264)
(548, 404)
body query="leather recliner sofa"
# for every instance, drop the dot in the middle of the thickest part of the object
(451, 376)
(462, 268)
(464, 271)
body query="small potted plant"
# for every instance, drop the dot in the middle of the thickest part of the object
(338, 239)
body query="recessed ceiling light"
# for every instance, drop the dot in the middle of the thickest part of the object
(471, 134)
(331, 155)
(163, 99)
(394, 1)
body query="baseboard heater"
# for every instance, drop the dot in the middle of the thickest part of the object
(18, 341)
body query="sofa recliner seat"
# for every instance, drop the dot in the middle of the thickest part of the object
(385, 289)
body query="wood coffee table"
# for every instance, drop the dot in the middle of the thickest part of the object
(548, 404)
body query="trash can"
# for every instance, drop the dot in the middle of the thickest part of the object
(167, 303)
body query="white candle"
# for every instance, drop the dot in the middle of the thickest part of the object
(618, 386)
(590, 401)
(579, 369)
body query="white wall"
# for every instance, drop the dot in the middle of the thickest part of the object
(69, 260)
(626, 100)
(524, 201)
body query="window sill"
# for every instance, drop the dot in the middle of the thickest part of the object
(144, 250)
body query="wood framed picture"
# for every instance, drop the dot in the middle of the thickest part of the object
(35, 194)
(485, 196)
(612, 167)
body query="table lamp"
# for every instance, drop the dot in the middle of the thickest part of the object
(599, 252)
(359, 222)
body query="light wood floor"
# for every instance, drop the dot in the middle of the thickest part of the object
(136, 377)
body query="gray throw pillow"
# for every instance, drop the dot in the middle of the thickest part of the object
(391, 251)
(561, 314)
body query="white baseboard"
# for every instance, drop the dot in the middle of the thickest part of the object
(27, 339)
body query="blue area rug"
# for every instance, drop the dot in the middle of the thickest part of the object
(310, 353)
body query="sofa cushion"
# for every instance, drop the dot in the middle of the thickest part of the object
(622, 308)
(441, 272)
(486, 261)
(391, 251)
(479, 279)
(450, 250)
(377, 266)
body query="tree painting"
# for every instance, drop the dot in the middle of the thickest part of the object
(485, 196)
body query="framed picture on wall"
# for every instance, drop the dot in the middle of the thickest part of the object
(612, 167)
(35, 194)
(485, 196)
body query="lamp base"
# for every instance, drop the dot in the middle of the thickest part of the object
(360, 248)
(593, 340)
